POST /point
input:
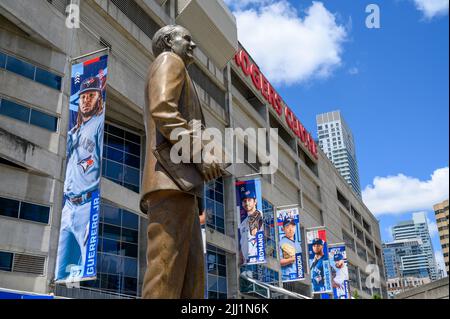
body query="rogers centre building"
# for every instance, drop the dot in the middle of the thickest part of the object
(35, 52)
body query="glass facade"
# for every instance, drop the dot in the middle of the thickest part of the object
(28, 115)
(262, 273)
(6, 261)
(117, 261)
(122, 157)
(214, 205)
(269, 227)
(30, 71)
(217, 273)
(23, 210)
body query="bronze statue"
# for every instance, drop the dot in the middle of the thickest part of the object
(175, 265)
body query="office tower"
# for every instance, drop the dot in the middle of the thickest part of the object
(336, 141)
(417, 228)
(441, 211)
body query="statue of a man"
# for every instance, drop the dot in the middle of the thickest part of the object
(175, 264)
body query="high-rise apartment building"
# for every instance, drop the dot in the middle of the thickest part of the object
(441, 211)
(417, 229)
(336, 140)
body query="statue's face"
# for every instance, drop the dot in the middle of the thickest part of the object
(182, 45)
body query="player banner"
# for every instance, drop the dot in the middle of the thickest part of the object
(339, 271)
(319, 264)
(290, 244)
(251, 227)
(77, 249)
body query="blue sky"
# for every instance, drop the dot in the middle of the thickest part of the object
(391, 85)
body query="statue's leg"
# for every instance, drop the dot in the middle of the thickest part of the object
(194, 279)
(171, 218)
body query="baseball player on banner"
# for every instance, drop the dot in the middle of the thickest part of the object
(76, 259)
(251, 227)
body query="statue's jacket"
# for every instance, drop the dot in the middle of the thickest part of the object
(172, 103)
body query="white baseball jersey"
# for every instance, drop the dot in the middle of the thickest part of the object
(84, 153)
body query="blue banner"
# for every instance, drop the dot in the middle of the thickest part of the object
(251, 227)
(290, 245)
(77, 249)
(319, 263)
(339, 272)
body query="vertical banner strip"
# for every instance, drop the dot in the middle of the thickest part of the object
(290, 244)
(252, 248)
(78, 239)
(319, 263)
(339, 271)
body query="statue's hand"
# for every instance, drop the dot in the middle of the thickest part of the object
(211, 167)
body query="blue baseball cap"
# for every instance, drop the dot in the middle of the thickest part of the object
(317, 241)
(288, 220)
(91, 84)
(247, 192)
(338, 257)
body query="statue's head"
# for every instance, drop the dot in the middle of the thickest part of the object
(176, 39)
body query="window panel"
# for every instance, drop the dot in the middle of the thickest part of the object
(111, 232)
(2, 60)
(132, 161)
(129, 250)
(34, 212)
(111, 215)
(114, 155)
(130, 267)
(9, 207)
(130, 220)
(20, 67)
(43, 120)
(6, 261)
(133, 137)
(133, 188)
(116, 131)
(115, 142)
(111, 246)
(47, 78)
(132, 148)
(131, 176)
(15, 111)
(114, 170)
(129, 286)
(130, 236)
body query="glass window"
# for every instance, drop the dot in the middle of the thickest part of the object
(34, 212)
(214, 205)
(126, 155)
(43, 120)
(130, 220)
(2, 60)
(47, 78)
(131, 176)
(129, 250)
(6, 261)
(15, 111)
(111, 215)
(9, 207)
(110, 246)
(111, 232)
(130, 236)
(20, 67)
(114, 170)
(217, 273)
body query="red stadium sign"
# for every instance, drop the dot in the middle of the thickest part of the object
(261, 83)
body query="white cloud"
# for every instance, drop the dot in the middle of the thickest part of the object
(432, 8)
(288, 47)
(400, 194)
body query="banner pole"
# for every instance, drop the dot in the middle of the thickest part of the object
(91, 53)
(287, 206)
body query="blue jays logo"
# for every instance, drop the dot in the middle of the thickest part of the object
(86, 163)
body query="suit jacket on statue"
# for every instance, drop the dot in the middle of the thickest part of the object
(171, 102)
